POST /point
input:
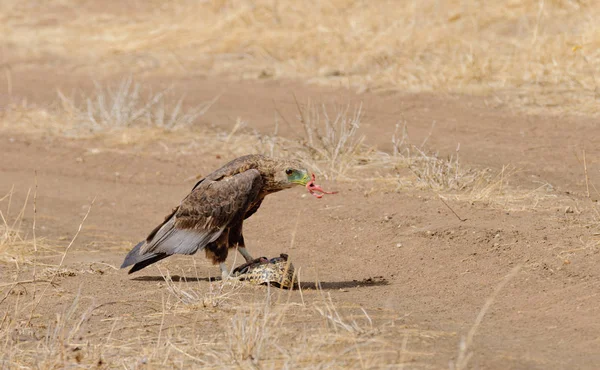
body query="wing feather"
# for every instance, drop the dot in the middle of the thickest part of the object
(204, 214)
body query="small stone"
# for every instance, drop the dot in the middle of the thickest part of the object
(398, 245)
(569, 209)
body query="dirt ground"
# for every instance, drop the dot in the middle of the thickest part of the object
(403, 252)
(422, 274)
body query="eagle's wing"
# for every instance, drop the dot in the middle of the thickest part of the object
(200, 218)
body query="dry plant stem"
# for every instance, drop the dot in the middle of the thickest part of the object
(62, 260)
(587, 178)
(24, 282)
(22, 213)
(9, 196)
(451, 210)
(463, 354)
(403, 351)
(300, 287)
(34, 242)
(187, 354)
(162, 323)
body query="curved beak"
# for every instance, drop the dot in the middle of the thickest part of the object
(304, 180)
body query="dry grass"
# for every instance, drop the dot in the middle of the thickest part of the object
(254, 329)
(128, 105)
(334, 141)
(331, 145)
(536, 54)
(262, 335)
(17, 246)
(428, 169)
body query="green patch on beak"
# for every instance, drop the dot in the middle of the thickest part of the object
(300, 178)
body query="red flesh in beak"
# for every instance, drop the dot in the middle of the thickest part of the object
(315, 189)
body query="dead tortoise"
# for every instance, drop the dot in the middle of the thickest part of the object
(275, 271)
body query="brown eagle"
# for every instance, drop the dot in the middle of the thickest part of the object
(210, 218)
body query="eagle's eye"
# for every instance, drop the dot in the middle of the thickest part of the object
(289, 171)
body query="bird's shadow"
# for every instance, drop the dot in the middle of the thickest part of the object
(322, 285)
(177, 278)
(337, 285)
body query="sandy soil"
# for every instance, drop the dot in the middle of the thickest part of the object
(401, 253)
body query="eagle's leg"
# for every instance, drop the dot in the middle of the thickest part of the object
(236, 238)
(224, 271)
(217, 252)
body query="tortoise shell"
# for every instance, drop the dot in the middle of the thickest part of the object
(277, 271)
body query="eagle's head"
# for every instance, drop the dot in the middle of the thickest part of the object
(287, 173)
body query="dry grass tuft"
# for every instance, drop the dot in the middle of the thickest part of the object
(219, 294)
(124, 107)
(16, 246)
(497, 192)
(252, 331)
(331, 145)
(328, 310)
(429, 170)
(332, 141)
(128, 105)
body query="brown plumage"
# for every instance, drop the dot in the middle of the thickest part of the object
(210, 218)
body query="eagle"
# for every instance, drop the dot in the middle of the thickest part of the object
(211, 216)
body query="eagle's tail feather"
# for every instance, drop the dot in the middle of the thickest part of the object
(140, 261)
(133, 256)
(148, 260)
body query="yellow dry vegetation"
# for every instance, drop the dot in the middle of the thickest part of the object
(536, 54)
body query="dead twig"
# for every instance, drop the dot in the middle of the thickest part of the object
(587, 178)
(451, 210)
